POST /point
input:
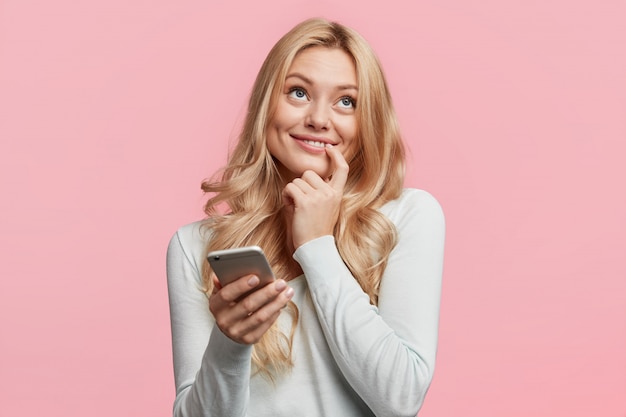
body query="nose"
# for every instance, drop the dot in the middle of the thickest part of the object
(318, 117)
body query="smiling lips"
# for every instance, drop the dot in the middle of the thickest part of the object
(317, 144)
(311, 143)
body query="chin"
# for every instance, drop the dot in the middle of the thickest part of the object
(321, 170)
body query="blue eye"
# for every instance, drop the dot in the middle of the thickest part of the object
(347, 102)
(297, 93)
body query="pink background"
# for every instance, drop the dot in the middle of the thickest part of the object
(112, 112)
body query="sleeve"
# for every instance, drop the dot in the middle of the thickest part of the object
(387, 354)
(211, 372)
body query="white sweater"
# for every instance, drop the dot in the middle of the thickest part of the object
(350, 358)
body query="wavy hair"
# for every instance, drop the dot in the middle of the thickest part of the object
(245, 205)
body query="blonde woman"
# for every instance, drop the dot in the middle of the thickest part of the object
(349, 328)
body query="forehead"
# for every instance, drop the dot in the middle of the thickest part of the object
(325, 62)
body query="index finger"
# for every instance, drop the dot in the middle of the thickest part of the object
(339, 168)
(235, 290)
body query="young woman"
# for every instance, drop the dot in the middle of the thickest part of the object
(349, 328)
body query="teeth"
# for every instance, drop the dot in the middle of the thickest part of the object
(315, 143)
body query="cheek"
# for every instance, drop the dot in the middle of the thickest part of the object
(284, 116)
(274, 128)
(350, 151)
(273, 141)
(348, 131)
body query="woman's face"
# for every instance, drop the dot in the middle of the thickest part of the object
(315, 109)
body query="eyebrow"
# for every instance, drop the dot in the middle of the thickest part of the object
(309, 81)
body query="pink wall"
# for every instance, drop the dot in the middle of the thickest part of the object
(111, 112)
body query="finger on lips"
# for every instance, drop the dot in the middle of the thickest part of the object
(339, 168)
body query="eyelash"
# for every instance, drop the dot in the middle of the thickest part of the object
(294, 89)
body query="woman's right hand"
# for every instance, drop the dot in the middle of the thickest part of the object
(246, 319)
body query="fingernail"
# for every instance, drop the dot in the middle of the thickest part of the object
(289, 293)
(253, 281)
(280, 285)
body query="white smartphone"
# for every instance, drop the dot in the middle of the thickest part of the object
(230, 264)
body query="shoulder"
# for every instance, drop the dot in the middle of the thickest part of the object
(418, 218)
(190, 242)
(413, 203)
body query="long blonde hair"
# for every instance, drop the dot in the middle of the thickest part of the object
(245, 206)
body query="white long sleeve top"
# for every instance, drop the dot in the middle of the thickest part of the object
(350, 358)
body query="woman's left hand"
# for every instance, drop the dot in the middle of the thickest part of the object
(313, 203)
